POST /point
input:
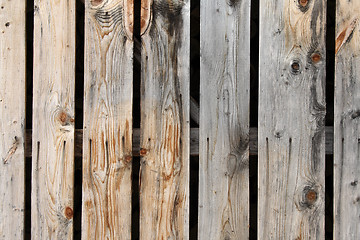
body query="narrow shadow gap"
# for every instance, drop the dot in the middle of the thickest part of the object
(195, 97)
(29, 28)
(253, 187)
(79, 116)
(254, 62)
(135, 201)
(329, 118)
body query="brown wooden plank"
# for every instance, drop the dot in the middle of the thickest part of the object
(164, 137)
(12, 118)
(53, 120)
(291, 119)
(107, 143)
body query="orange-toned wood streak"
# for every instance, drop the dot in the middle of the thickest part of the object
(12, 118)
(347, 121)
(53, 119)
(291, 119)
(164, 179)
(107, 143)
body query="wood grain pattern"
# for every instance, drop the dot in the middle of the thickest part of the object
(12, 118)
(194, 142)
(53, 120)
(224, 120)
(107, 143)
(347, 122)
(291, 119)
(164, 180)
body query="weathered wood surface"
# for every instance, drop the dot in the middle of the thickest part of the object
(12, 118)
(194, 142)
(53, 120)
(107, 143)
(164, 179)
(224, 120)
(291, 119)
(347, 122)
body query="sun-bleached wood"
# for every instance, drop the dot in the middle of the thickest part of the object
(291, 196)
(12, 118)
(107, 142)
(224, 120)
(165, 132)
(53, 120)
(347, 122)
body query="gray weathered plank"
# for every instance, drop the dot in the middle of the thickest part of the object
(291, 119)
(12, 118)
(164, 137)
(53, 120)
(347, 122)
(107, 143)
(224, 120)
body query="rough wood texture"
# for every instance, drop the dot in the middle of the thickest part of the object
(107, 143)
(291, 119)
(224, 120)
(347, 122)
(53, 120)
(12, 118)
(164, 180)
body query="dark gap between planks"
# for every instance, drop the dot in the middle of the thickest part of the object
(135, 196)
(329, 119)
(79, 107)
(28, 113)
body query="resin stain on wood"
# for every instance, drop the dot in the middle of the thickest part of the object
(107, 141)
(164, 136)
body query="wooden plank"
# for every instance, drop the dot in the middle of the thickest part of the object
(224, 120)
(164, 137)
(107, 143)
(53, 120)
(12, 120)
(347, 122)
(291, 119)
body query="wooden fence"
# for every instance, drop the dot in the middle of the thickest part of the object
(39, 75)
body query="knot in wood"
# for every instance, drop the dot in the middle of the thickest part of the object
(311, 197)
(64, 118)
(69, 212)
(143, 152)
(295, 67)
(315, 58)
(303, 3)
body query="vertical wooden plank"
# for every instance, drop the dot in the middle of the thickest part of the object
(107, 143)
(224, 120)
(164, 187)
(347, 122)
(53, 120)
(12, 118)
(291, 119)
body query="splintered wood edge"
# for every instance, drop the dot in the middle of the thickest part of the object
(194, 142)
